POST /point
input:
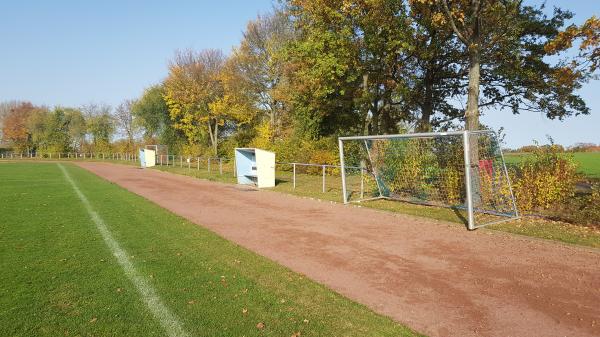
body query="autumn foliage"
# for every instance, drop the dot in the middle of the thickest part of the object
(15, 128)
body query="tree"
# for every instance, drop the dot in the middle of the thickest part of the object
(100, 126)
(194, 92)
(124, 119)
(503, 42)
(14, 128)
(343, 66)
(434, 69)
(77, 128)
(36, 125)
(255, 73)
(5, 108)
(151, 114)
(50, 130)
(382, 38)
(394, 66)
(588, 34)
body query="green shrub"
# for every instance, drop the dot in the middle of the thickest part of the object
(545, 179)
(590, 211)
(583, 209)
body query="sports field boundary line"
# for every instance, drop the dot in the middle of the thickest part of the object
(159, 310)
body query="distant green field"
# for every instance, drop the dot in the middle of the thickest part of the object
(589, 162)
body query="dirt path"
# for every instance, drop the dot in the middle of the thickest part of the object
(438, 279)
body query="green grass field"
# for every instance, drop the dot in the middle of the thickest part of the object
(59, 277)
(589, 162)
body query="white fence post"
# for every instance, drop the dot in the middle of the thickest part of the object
(220, 166)
(362, 183)
(343, 170)
(323, 178)
(294, 177)
(208, 165)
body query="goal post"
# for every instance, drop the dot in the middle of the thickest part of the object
(461, 170)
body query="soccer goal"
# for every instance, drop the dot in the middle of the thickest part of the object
(162, 153)
(460, 170)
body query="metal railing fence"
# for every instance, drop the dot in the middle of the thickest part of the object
(308, 176)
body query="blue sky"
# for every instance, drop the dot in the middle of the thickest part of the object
(74, 52)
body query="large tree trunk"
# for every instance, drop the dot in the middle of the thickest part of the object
(213, 133)
(427, 106)
(471, 41)
(472, 122)
(472, 113)
(375, 117)
(216, 139)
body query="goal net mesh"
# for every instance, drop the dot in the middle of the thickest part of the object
(430, 170)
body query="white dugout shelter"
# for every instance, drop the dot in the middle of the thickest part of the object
(147, 158)
(255, 167)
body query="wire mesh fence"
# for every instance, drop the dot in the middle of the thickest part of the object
(106, 156)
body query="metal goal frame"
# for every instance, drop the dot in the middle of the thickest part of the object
(468, 169)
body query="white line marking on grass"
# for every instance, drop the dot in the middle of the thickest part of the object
(166, 318)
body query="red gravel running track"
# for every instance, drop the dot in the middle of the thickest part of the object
(438, 279)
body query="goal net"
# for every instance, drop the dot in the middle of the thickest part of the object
(461, 170)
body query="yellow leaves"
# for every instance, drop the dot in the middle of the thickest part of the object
(589, 48)
(438, 19)
(422, 2)
(590, 31)
(192, 91)
(563, 41)
(452, 181)
(459, 16)
(264, 136)
(545, 180)
(566, 76)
